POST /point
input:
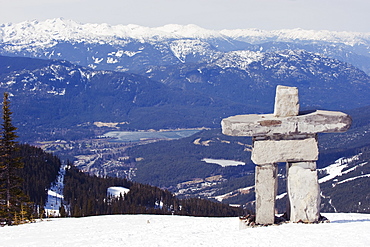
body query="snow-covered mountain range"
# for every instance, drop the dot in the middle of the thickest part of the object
(133, 47)
(233, 69)
(59, 29)
(239, 66)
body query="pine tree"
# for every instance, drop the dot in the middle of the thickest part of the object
(12, 200)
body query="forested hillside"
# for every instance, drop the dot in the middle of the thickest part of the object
(86, 195)
(39, 171)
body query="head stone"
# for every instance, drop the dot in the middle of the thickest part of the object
(286, 101)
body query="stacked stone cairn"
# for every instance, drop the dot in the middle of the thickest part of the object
(290, 137)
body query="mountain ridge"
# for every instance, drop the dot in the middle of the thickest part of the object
(133, 47)
(206, 92)
(48, 27)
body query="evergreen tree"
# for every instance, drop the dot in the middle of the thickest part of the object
(13, 202)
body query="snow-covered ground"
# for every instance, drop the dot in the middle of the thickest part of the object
(117, 191)
(158, 230)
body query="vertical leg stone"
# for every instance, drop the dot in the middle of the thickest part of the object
(304, 192)
(266, 189)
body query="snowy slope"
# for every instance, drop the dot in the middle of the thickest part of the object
(345, 184)
(117, 191)
(338, 168)
(156, 230)
(55, 194)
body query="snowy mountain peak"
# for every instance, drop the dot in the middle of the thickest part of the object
(189, 31)
(63, 29)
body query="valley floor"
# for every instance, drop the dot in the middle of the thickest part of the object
(158, 230)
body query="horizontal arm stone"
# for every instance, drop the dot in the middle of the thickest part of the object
(268, 124)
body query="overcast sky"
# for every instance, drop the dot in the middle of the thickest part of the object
(335, 15)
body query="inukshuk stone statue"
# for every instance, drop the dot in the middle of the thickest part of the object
(286, 136)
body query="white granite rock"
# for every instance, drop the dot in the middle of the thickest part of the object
(304, 192)
(286, 101)
(266, 190)
(271, 151)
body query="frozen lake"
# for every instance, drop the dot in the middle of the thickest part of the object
(135, 136)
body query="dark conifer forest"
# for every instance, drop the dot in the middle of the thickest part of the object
(86, 195)
(39, 172)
